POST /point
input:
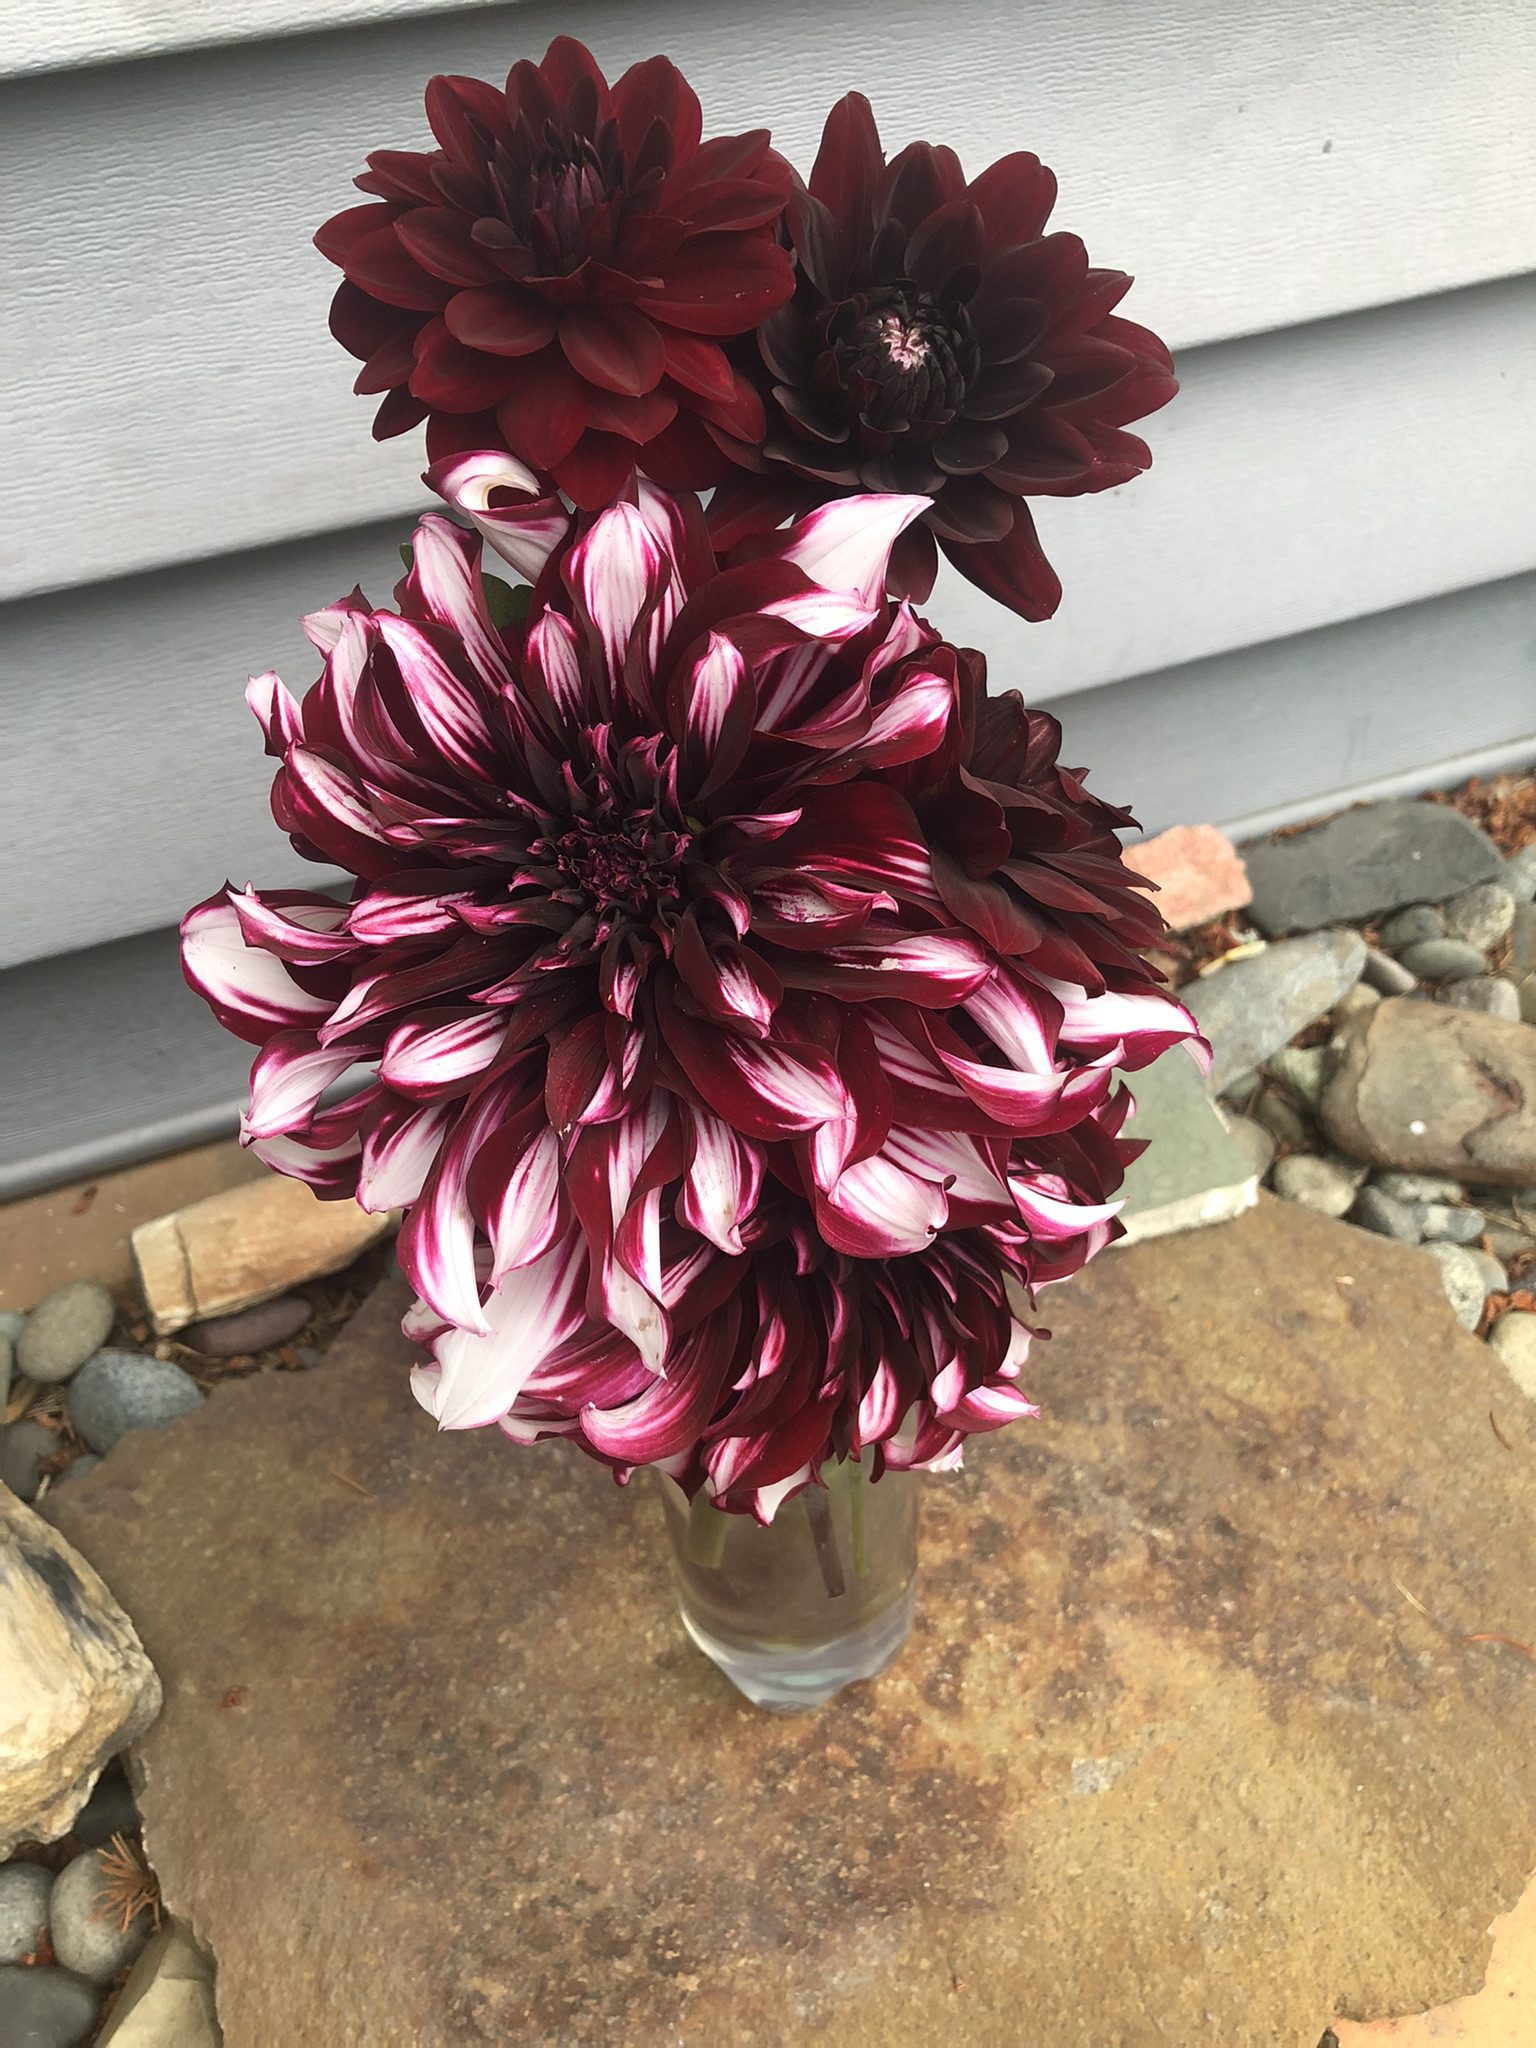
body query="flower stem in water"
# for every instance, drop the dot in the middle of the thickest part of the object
(818, 1512)
(707, 1530)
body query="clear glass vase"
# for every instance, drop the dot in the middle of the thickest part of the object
(822, 1597)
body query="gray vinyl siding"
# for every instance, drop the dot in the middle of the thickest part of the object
(1325, 588)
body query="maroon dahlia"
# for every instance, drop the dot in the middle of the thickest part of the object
(941, 342)
(558, 275)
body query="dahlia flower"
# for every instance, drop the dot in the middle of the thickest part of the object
(940, 341)
(559, 274)
(736, 991)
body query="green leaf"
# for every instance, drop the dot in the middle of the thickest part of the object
(407, 554)
(507, 603)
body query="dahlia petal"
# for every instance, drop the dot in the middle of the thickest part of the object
(425, 1058)
(332, 811)
(302, 928)
(1138, 1027)
(331, 1170)
(525, 1214)
(713, 705)
(399, 1150)
(288, 1077)
(934, 970)
(528, 1316)
(877, 1210)
(618, 573)
(384, 916)
(613, 347)
(437, 1242)
(445, 578)
(248, 989)
(502, 320)
(379, 265)
(277, 712)
(546, 410)
(1054, 1216)
(721, 284)
(846, 545)
(720, 1186)
(763, 1091)
(848, 166)
(452, 713)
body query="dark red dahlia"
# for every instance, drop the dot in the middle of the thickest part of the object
(558, 275)
(940, 341)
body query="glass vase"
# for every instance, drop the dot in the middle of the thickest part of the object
(822, 1597)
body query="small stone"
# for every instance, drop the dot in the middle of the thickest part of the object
(1387, 976)
(1242, 1087)
(1411, 927)
(77, 1686)
(1444, 960)
(12, 1322)
(64, 1329)
(1373, 858)
(1450, 1226)
(253, 1329)
(1198, 871)
(1257, 1144)
(1466, 1284)
(1490, 993)
(1508, 1241)
(1326, 1185)
(7, 1354)
(1282, 1119)
(1481, 915)
(1432, 1089)
(1361, 997)
(1519, 876)
(24, 1890)
(23, 1449)
(95, 1945)
(1192, 1173)
(1522, 941)
(168, 2000)
(1300, 1069)
(1419, 1187)
(1249, 1008)
(1492, 1272)
(1526, 993)
(43, 2008)
(78, 1468)
(1513, 1337)
(1377, 1211)
(121, 1390)
(110, 1810)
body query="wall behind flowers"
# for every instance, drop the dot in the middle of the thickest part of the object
(1325, 588)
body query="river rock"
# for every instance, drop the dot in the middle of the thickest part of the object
(1448, 1224)
(117, 1391)
(78, 1686)
(1301, 1068)
(1513, 1338)
(24, 1449)
(1361, 997)
(1444, 960)
(1439, 1090)
(24, 1892)
(1465, 1281)
(1197, 871)
(168, 2000)
(1518, 874)
(1366, 861)
(12, 1322)
(1376, 1210)
(91, 1942)
(1419, 1187)
(1411, 927)
(1249, 1008)
(64, 1329)
(1326, 1185)
(1256, 1144)
(253, 1329)
(45, 2008)
(1481, 915)
(1490, 993)
(1285, 1123)
(1387, 976)
(1157, 1632)
(7, 1359)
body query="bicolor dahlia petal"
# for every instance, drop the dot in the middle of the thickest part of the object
(940, 341)
(560, 275)
(730, 992)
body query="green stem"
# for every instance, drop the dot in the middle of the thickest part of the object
(818, 1512)
(708, 1527)
(856, 1490)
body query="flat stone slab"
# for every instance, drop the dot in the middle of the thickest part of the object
(1191, 1743)
(1371, 859)
(1193, 1172)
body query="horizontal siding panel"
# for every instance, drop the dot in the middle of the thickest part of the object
(1415, 699)
(167, 386)
(1305, 478)
(105, 1057)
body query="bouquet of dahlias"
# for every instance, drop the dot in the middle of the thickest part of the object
(731, 992)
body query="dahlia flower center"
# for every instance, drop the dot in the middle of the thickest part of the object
(620, 872)
(567, 184)
(906, 358)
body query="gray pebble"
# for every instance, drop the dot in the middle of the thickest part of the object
(1513, 1337)
(1466, 1284)
(1481, 915)
(1411, 927)
(1387, 976)
(1300, 1069)
(1507, 1240)
(1326, 1185)
(12, 1322)
(79, 1468)
(1357, 1000)
(64, 1329)
(1257, 1145)
(1525, 992)
(1377, 1211)
(121, 1390)
(43, 2008)
(24, 1890)
(1239, 1089)
(1490, 993)
(253, 1329)
(23, 1448)
(1419, 1187)
(84, 1940)
(1522, 941)
(1450, 1226)
(109, 1811)
(1281, 1119)
(1519, 876)
(1444, 960)
(1491, 1271)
